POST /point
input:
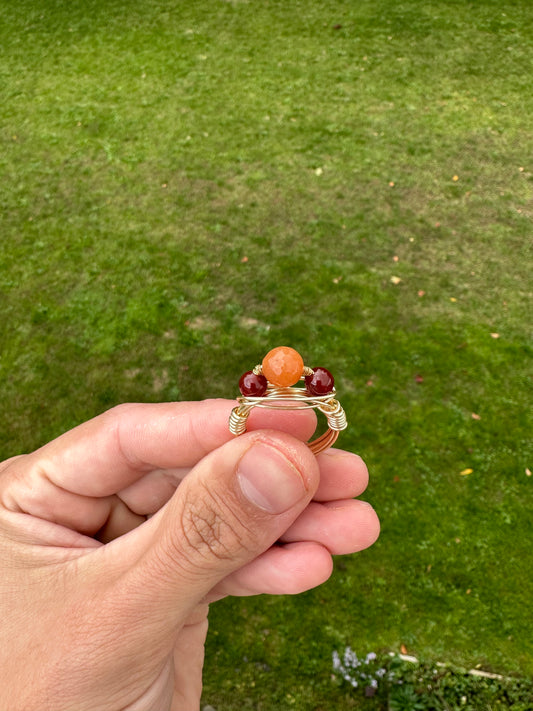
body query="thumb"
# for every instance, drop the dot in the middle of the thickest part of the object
(230, 508)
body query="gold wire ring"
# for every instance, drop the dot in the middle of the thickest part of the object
(277, 397)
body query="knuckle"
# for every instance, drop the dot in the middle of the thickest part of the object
(211, 529)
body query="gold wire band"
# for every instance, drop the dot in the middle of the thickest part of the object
(293, 399)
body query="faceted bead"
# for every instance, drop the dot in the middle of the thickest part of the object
(320, 383)
(283, 366)
(252, 385)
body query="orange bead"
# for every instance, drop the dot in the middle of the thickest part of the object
(283, 366)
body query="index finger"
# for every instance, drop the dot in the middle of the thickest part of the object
(111, 451)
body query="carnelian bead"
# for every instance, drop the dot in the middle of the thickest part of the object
(283, 366)
(320, 383)
(252, 385)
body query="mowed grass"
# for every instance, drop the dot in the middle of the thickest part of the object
(186, 185)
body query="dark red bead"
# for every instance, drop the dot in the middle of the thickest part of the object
(252, 385)
(320, 383)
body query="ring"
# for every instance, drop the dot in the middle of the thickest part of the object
(270, 385)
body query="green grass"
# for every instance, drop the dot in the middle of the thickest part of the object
(147, 149)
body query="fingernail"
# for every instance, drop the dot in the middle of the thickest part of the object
(338, 454)
(269, 480)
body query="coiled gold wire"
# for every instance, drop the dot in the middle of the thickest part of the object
(293, 398)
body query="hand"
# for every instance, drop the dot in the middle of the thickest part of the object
(115, 537)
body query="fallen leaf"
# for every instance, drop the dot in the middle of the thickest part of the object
(494, 335)
(419, 379)
(395, 258)
(468, 591)
(395, 279)
(391, 184)
(247, 322)
(403, 649)
(244, 260)
(528, 472)
(475, 416)
(395, 478)
(421, 292)
(369, 383)
(466, 472)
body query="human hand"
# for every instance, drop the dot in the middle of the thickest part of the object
(115, 536)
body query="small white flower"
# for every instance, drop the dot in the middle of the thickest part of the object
(350, 658)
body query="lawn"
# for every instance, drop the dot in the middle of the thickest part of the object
(185, 185)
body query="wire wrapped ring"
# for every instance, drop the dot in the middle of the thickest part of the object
(264, 388)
